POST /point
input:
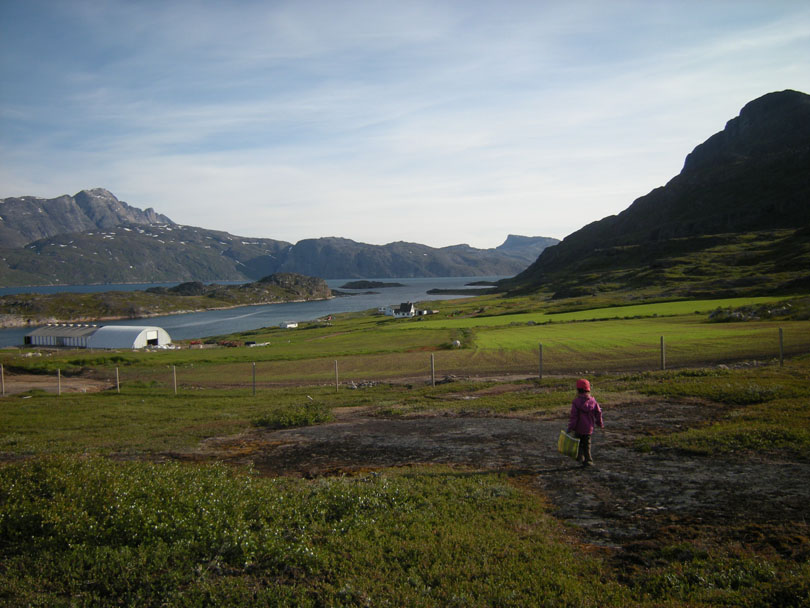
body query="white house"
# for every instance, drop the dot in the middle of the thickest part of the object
(406, 309)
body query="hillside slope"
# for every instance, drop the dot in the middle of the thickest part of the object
(733, 220)
(132, 253)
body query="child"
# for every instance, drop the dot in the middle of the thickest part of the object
(585, 413)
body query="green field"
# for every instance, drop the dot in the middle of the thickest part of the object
(661, 309)
(94, 513)
(368, 346)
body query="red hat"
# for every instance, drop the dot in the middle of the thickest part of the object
(583, 384)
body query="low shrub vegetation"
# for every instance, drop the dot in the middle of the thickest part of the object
(79, 531)
(764, 413)
(294, 415)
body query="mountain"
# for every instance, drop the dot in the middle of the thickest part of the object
(28, 218)
(735, 220)
(94, 238)
(344, 258)
(525, 248)
(137, 253)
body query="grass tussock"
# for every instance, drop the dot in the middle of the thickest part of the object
(765, 409)
(291, 416)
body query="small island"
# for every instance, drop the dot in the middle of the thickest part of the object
(35, 309)
(369, 285)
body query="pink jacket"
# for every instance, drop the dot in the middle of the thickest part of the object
(585, 413)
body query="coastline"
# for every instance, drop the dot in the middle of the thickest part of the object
(9, 321)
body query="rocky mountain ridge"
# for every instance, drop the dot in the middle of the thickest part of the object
(116, 243)
(735, 218)
(28, 218)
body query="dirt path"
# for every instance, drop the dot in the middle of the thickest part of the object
(628, 499)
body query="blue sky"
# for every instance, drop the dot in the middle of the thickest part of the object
(434, 122)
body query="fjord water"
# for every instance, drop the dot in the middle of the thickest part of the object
(219, 322)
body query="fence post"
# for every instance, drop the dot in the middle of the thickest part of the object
(432, 370)
(3, 380)
(781, 348)
(58, 382)
(254, 378)
(541, 360)
(117, 381)
(337, 379)
(174, 378)
(663, 354)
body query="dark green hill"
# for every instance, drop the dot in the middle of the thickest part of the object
(735, 220)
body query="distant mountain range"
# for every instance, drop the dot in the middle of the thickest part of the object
(736, 220)
(92, 237)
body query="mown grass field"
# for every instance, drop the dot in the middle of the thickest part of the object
(79, 528)
(628, 311)
(369, 346)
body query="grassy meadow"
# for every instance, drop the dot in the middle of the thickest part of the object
(92, 515)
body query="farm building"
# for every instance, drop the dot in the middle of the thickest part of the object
(406, 309)
(61, 335)
(92, 336)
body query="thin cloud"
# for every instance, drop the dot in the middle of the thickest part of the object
(380, 121)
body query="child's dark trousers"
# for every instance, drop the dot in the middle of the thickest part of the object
(584, 454)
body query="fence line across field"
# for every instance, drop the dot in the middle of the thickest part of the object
(430, 371)
(432, 366)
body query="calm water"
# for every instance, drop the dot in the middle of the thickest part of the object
(219, 322)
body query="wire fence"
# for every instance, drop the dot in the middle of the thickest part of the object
(431, 367)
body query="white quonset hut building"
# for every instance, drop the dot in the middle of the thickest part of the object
(92, 336)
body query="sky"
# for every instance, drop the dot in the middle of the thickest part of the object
(436, 122)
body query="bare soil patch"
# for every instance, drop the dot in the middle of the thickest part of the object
(21, 383)
(629, 501)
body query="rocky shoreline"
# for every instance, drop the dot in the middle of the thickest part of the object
(32, 310)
